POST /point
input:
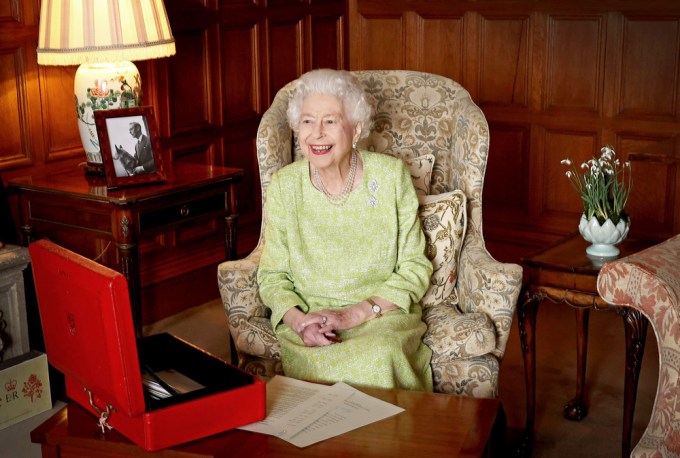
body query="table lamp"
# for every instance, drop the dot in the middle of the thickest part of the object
(103, 37)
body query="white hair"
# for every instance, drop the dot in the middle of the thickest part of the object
(339, 83)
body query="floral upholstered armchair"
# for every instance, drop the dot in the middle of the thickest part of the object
(432, 124)
(649, 281)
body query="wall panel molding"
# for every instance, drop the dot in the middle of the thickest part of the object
(506, 181)
(327, 45)
(504, 70)
(14, 108)
(287, 58)
(650, 64)
(575, 63)
(653, 201)
(376, 36)
(434, 58)
(191, 103)
(18, 13)
(557, 198)
(241, 91)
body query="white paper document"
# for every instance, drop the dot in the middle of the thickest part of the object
(305, 413)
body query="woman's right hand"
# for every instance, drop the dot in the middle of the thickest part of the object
(310, 333)
(313, 336)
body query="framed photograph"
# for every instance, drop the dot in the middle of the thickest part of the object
(128, 139)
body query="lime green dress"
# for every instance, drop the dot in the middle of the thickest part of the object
(320, 256)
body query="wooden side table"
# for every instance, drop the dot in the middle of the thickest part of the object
(150, 233)
(564, 274)
(432, 425)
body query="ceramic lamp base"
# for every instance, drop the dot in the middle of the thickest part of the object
(94, 169)
(103, 86)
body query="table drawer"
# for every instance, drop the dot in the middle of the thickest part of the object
(180, 212)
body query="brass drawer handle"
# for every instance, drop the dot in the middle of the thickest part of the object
(184, 211)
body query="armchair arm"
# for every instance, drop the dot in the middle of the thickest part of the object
(489, 286)
(649, 281)
(247, 315)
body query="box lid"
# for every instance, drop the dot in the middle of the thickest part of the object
(87, 325)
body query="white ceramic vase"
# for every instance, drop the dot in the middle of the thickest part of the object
(603, 237)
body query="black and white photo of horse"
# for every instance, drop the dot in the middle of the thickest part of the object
(127, 160)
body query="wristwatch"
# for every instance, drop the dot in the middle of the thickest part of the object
(375, 308)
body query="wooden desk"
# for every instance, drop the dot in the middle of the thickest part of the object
(150, 233)
(433, 425)
(564, 274)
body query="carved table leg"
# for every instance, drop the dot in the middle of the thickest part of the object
(128, 254)
(576, 409)
(231, 251)
(230, 221)
(526, 321)
(635, 325)
(129, 263)
(27, 234)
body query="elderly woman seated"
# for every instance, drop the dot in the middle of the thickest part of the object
(343, 268)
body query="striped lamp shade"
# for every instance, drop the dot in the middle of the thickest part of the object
(73, 32)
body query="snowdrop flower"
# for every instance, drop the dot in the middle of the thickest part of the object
(604, 186)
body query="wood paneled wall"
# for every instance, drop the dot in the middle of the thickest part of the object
(232, 57)
(555, 79)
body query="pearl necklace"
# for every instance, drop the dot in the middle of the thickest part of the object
(338, 199)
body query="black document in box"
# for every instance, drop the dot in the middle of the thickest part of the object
(166, 383)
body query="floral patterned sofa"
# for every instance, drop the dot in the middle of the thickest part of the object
(416, 115)
(649, 281)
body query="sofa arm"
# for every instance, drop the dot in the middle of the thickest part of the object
(489, 286)
(246, 313)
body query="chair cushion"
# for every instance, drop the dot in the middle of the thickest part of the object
(452, 335)
(444, 221)
(420, 169)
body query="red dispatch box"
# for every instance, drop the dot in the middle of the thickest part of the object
(159, 391)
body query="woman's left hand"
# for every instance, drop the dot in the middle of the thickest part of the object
(344, 318)
(339, 319)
